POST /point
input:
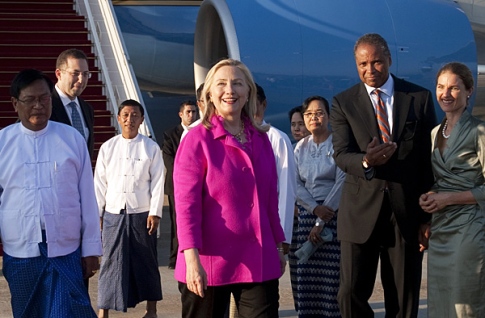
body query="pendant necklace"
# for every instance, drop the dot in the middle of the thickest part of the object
(444, 129)
(239, 135)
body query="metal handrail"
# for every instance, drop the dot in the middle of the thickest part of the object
(116, 71)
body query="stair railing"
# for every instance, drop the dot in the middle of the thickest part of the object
(116, 71)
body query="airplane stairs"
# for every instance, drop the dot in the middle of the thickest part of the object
(32, 34)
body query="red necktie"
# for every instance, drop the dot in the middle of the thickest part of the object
(381, 113)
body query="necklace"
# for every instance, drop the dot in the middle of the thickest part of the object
(239, 135)
(444, 129)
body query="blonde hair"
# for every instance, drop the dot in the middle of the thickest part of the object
(249, 108)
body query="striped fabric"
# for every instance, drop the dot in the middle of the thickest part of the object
(315, 283)
(129, 267)
(382, 120)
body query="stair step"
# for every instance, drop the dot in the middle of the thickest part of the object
(102, 120)
(90, 89)
(50, 2)
(103, 133)
(40, 63)
(40, 51)
(52, 37)
(36, 15)
(32, 34)
(37, 6)
(46, 24)
(98, 103)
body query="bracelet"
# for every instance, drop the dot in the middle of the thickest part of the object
(280, 249)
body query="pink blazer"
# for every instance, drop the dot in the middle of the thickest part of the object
(227, 205)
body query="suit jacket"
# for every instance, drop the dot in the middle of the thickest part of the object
(60, 115)
(171, 141)
(408, 172)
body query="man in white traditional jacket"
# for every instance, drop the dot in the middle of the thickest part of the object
(48, 220)
(129, 180)
(286, 169)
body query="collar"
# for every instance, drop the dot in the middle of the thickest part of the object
(387, 88)
(64, 98)
(33, 133)
(136, 139)
(218, 126)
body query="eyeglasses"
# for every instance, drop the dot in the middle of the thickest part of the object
(318, 114)
(31, 101)
(78, 73)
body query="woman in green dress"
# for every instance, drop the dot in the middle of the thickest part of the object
(456, 257)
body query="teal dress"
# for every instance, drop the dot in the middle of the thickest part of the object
(456, 256)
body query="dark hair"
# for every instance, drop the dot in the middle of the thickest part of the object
(198, 93)
(188, 102)
(373, 39)
(131, 102)
(69, 53)
(297, 109)
(26, 78)
(460, 70)
(310, 99)
(260, 93)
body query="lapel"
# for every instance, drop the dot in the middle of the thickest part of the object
(256, 138)
(85, 111)
(177, 134)
(402, 103)
(58, 109)
(364, 108)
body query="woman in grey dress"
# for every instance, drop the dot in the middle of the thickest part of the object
(456, 257)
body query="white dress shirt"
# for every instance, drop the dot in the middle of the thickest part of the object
(387, 96)
(130, 174)
(46, 182)
(65, 101)
(286, 169)
(187, 129)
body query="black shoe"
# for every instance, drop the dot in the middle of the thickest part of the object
(171, 266)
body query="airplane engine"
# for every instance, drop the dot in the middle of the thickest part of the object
(296, 49)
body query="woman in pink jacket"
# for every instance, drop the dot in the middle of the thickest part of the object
(225, 186)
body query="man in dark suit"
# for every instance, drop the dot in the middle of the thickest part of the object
(387, 166)
(72, 74)
(171, 139)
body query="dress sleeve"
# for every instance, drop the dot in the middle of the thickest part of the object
(479, 191)
(189, 173)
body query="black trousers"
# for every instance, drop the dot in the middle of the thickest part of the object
(401, 265)
(253, 300)
(174, 243)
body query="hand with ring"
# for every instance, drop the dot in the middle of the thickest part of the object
(314, 235)
(378, 154)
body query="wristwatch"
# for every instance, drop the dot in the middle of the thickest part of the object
(365, 163)
(319, 223)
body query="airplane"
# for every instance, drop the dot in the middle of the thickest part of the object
(294, 49)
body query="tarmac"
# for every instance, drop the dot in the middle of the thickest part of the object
(170, 306)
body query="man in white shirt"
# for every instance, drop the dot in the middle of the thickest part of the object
(48, 225)
(128, 181)
(286, 169)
